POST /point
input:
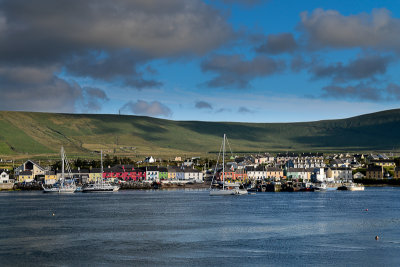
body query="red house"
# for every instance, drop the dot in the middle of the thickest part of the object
(125, 172)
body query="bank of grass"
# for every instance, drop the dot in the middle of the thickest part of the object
(27, 134)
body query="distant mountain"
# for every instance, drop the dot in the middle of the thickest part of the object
(28, 133)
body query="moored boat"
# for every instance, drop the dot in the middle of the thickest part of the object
(320, 187)
(62, 187)
(100, 185)
(352, 187)
(225, 191)
(355, 187)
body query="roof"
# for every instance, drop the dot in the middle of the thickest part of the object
(296, 170)
(151, 168)
(173, 169)
(25, 173)
(252, 168)
(340, 169)
(35, 163)
(162, 169)
(374, 168)
(274, 169)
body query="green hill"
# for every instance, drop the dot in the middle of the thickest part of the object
(31, 133)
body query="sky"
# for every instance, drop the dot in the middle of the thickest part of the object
(211, 60)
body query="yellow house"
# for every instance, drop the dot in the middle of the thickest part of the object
(94, 176)
(25, 176)
(50, 177)
(172, 173)
(384, 163)
(273, 172)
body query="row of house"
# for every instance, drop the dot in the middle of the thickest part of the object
(30, 171)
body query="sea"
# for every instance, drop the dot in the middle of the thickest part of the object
(192, 228)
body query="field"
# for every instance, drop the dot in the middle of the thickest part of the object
(30, 134)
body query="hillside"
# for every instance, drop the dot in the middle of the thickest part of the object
(30, 133)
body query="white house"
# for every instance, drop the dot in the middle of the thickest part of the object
(319, 175)
(152, 174)
(5, 177)
(337, 174)
(256, 173)
(189, 174)
(150, 160)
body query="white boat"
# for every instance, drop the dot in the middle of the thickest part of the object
(225, 191)
(100, 186)
(355, 187)
(62, 187)
(320, 187)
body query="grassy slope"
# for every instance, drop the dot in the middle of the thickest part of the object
(43, 133)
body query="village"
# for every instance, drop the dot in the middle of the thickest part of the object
(281, 167)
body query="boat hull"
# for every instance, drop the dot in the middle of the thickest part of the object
(241, 192)
(100, 188)
(355, 188)
(222, 192)
(59, 190)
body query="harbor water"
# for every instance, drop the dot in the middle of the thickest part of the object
(191, 228)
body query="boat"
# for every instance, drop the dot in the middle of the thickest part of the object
(225, 191)
(320, 187)
(100, 185)
(355, 187)
(62, 186)
(352, 187)
(306, 187)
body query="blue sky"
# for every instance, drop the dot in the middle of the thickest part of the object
(215, 60)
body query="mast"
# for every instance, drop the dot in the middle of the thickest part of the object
(62, 166)
(223, 164)
(101, 153)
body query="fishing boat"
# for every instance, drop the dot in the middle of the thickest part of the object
(320, 187)
(355, 187)
(62, 186)
(352, 187)
(100, 185)
(225, 191)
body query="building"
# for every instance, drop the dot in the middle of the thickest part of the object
(25, 177)
(263, 159)
(31, 166)
(339, 174)
(152, 174)
(256, 173)
(172, 171)
(383, 162)
(162, 173)
(150, 160)
(374, 172)
(319, 175)
(124, 173)
(396, 173)
(298, 173)
(5, 177)
(95, 175)
(50, 177)
(275, 173)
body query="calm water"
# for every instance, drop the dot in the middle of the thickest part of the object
(182, 228)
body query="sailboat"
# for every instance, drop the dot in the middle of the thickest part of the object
(225, 191)
(100, 185)
(62, 186)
